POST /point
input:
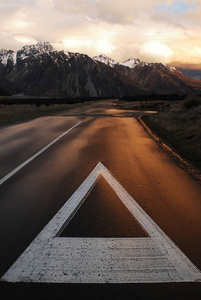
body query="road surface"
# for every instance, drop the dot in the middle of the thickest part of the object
(44, 161)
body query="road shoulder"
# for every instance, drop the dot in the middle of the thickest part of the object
(194, 172)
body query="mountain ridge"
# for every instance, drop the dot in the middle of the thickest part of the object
(41, 70)
(158, 77)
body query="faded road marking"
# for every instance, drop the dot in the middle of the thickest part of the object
(9, 175)
(54, 259)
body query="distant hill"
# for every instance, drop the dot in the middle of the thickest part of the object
(192, 70)
(194, 73)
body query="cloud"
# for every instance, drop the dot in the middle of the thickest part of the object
(118, 28)
(168, 19)
(83, 45)
(156, 50)
(189, 52)
(45, 3)
(178, 7)
(111, 11)
(25, 39)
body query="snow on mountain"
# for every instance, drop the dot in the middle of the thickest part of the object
(40, 47)
(131, 62)
(106, 60)
(67, 53)
(37, 49)
(174, 70)
(7, 55)
(41, 70)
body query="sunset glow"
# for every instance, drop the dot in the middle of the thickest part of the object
(155, 30)
(158, 49)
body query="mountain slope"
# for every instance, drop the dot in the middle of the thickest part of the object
(190, 69)
(3, 92)
(158, 78)
(105, 59)
(40, 70)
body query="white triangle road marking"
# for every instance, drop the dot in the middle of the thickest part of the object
(53, 259)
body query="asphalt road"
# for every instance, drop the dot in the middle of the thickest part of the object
(32, 196)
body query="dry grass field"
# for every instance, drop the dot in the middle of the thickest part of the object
(180, 126)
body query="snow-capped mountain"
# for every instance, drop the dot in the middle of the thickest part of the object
(39, 49)
(157, 77)
(6, 56)
(131, 62)
(106, 60)
(41, 70)
(10, 57)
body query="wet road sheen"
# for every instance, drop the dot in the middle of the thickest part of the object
(31, 197)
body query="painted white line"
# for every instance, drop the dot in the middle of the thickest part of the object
(9, 175)
(54, 259)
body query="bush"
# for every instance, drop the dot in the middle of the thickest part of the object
(191, 101)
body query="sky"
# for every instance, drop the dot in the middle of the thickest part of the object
(151, 30)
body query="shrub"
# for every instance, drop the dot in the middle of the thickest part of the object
(191, 101)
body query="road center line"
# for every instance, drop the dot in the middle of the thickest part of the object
(9, 175)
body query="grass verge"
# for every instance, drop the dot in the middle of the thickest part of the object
(181, 129)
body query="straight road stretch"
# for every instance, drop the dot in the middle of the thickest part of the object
(90, 206)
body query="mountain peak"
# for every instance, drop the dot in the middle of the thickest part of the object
(106, 60)
(40, 47)
(32, 70)
(44, 45)
(7, 55)
(131, 62)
